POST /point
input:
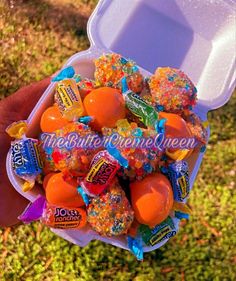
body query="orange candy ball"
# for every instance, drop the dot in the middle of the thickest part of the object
(52, 120)
(63, 193)
(176, 127)
(106, 105)
(46, 179)
(152, 199)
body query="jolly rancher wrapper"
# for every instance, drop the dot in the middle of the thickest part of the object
(25, 157)
(162, 231)
(179, 178)
(54, 216)
(68, 98)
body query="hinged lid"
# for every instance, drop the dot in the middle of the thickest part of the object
(197, 36)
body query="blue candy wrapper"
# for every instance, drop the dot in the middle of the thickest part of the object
(160, 126)
(26, 161)
(67, 72)
(113, 151)
(83, 195)
(180, 215)
(85, 119)
(179, 178)
(136, 247)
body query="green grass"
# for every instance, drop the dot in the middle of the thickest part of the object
(38, 36)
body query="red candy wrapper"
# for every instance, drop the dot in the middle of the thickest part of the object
(102, 171)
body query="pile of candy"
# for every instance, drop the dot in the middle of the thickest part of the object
(137, 191)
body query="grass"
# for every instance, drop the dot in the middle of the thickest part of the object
(38, 36)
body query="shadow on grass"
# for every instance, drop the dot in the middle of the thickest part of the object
(59, 16)
(39, 35)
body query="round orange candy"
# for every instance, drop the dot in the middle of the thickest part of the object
(106, 105)
(176, 127)
(63, 193)
(152, 199)
(46, 179)
(52, 120)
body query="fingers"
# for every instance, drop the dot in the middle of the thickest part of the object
(24, 100)
(12, 204)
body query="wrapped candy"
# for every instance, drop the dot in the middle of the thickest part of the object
(135, 245)
(68, 99)
(53, 216)
(103, 169)
(111, 68)
(67, 72)
(138, 106)
(179, 177)
(172, 89)
(85, 85)
(162, 231)
(110, 214)
(146, 113)
(75, 159)
(25, 159)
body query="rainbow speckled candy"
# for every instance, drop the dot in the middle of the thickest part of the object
(76, 160)
(142, 161)
(173, 90)
(196, 127)
(110, 214)
(111, 68)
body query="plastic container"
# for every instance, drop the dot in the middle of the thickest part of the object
(196, 36)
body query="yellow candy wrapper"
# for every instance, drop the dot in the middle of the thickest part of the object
(17, 129)
(68, 98)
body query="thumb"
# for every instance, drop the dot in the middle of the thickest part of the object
(24, 100)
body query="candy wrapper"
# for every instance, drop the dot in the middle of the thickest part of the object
(136, 246)
(146, 113)
(53, 216)
(139, 107)
(68, 99)
(103, 169)
(67, 72)
(179, 177)
(25, 158)
(153, 236)
(85, 85)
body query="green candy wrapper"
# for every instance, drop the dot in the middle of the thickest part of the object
(160, 232)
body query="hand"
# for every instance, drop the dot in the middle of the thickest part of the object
(13, 108)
